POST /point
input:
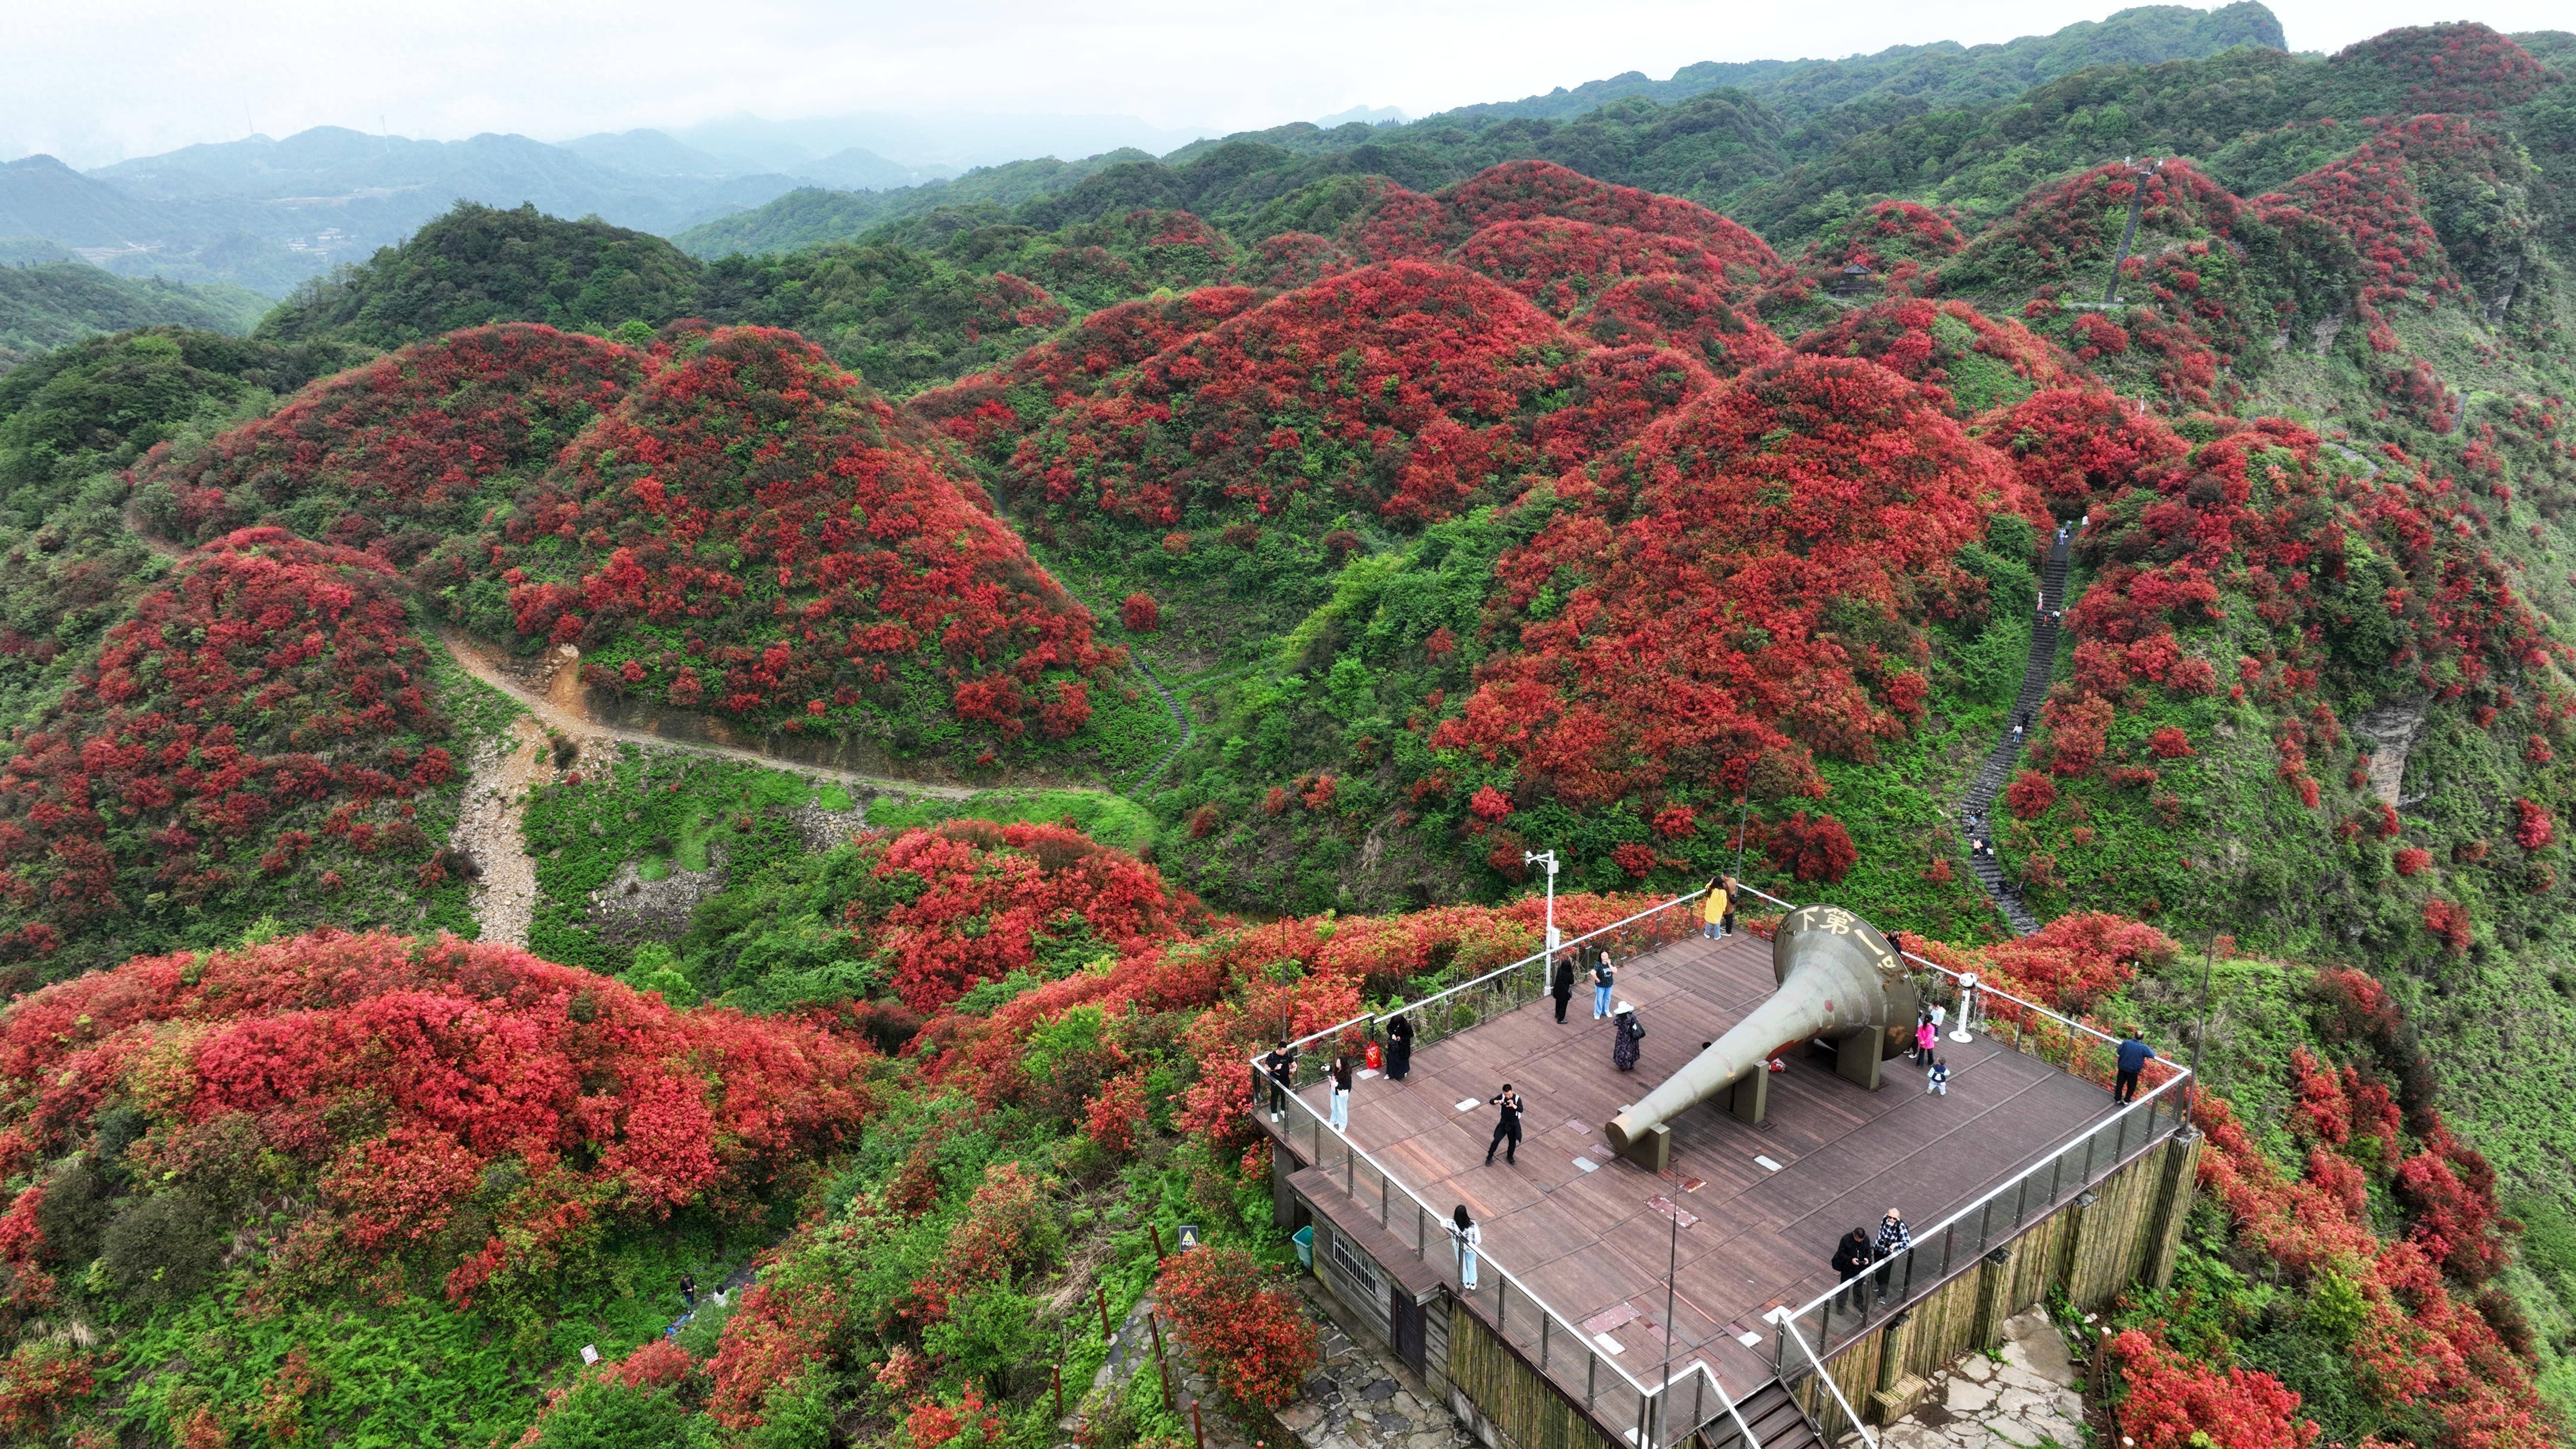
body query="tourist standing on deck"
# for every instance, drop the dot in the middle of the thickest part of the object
(2134, 1056)
(1851, 1259)
(1713, 911)
(1508, 1127)
(1936, 1078)
(1561, 985)
(1602, 976)
(1282, 1065)
(1626, 1033)
(1893, 1238)
(1924, 1036)
(1399, 1047)
(1342, 1066)
(1464, 1232)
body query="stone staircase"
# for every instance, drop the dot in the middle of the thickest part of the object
(1988, 785)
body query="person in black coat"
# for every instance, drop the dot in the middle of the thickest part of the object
(1627, 1033)
(1399, 1047)
(1561, 986)
(1508, 1127)
(1852, 1258)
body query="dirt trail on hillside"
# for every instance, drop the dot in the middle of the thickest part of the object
(560, 706)
(496, 795)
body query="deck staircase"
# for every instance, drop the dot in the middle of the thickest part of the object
(1774, 1418)
(1978, 804)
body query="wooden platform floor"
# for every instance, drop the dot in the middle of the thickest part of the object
(1576, 1222)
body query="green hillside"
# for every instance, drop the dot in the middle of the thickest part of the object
(48, 303)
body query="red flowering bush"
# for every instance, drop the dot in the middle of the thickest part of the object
(1811, 850)
(1967, 360)
(2170, 743)
(38, 1381)
(974, 896)
(1253, 1338)
(2532, 829)
(2076, 961)
(2409, 860)
(1140, 614)
(268, 691)
(2448, 923)
(2030, 794)
(2168, 1401)
(394, 1083)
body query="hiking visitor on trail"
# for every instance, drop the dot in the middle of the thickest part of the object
(1508, 1127)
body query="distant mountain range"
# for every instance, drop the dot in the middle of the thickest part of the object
(271, 214)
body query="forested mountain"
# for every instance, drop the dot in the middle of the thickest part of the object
(50, 303)
(1306, 526)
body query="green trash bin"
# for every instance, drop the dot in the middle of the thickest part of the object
(1304, 1238)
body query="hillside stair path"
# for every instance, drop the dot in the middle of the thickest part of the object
(1976, 807)
(1774, 1418)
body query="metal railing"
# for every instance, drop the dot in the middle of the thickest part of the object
(1491, 993)
(1548, 1338)
(1851, 1418)
(1522, 1318)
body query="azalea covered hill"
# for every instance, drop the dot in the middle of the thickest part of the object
(721, 522)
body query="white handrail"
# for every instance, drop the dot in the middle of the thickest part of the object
(1789, 1327)
(2181, 1074)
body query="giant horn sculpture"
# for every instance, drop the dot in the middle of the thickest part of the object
(1838, 981)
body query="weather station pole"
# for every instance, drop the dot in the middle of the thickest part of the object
(1548, 859)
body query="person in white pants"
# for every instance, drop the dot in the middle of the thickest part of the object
(1463, 1229)
(1936, 1078)
(1342, 1092)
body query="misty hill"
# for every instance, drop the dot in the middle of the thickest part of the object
(1943, 73)
(1707, 133)
(51, 303)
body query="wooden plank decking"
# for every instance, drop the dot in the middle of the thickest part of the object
(1586, 1238)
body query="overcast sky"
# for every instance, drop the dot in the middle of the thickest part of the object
(95, 83)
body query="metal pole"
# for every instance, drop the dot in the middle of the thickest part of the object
(1743, 804)
(2200, 1033)
(1672, 1269)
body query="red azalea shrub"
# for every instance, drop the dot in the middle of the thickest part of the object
(1140, 614)
(386, 1076)
(2533, 829)
(2457, 66)
(2410, 860)
(39, 1380)
(2030, 794)
(1894, 239)
(2448, 923)
(1011, 881)
(1811, 850)
(268, 690)
(1255, 1339)
(2076, 961)
(2170, 743)
(2169, 1401)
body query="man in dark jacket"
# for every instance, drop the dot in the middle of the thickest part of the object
(1851, 1259)
(1561, 985)
(2134, 1056)
(1281, 1065)
(1509, 1127)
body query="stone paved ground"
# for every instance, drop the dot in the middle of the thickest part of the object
(2025, 1401)
(1360, 1400)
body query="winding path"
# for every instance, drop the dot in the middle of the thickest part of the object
(571, 721)
(1180, 716)
(1978, 803)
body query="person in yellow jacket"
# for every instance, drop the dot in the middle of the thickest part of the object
(1718, 906)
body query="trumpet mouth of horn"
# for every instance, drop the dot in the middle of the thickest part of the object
(1617, 1131)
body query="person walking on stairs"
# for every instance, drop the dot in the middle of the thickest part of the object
(1561, 985)
(1602, 976)
(2133, 1058)
(1627, 1033)
(1508, 1127)
(1468, 1237)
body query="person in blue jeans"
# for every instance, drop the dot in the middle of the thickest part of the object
(2133, 1058)
(1602, 977)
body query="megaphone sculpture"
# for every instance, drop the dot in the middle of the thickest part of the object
(1839, 981)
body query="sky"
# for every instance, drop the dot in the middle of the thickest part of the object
(95, 84)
